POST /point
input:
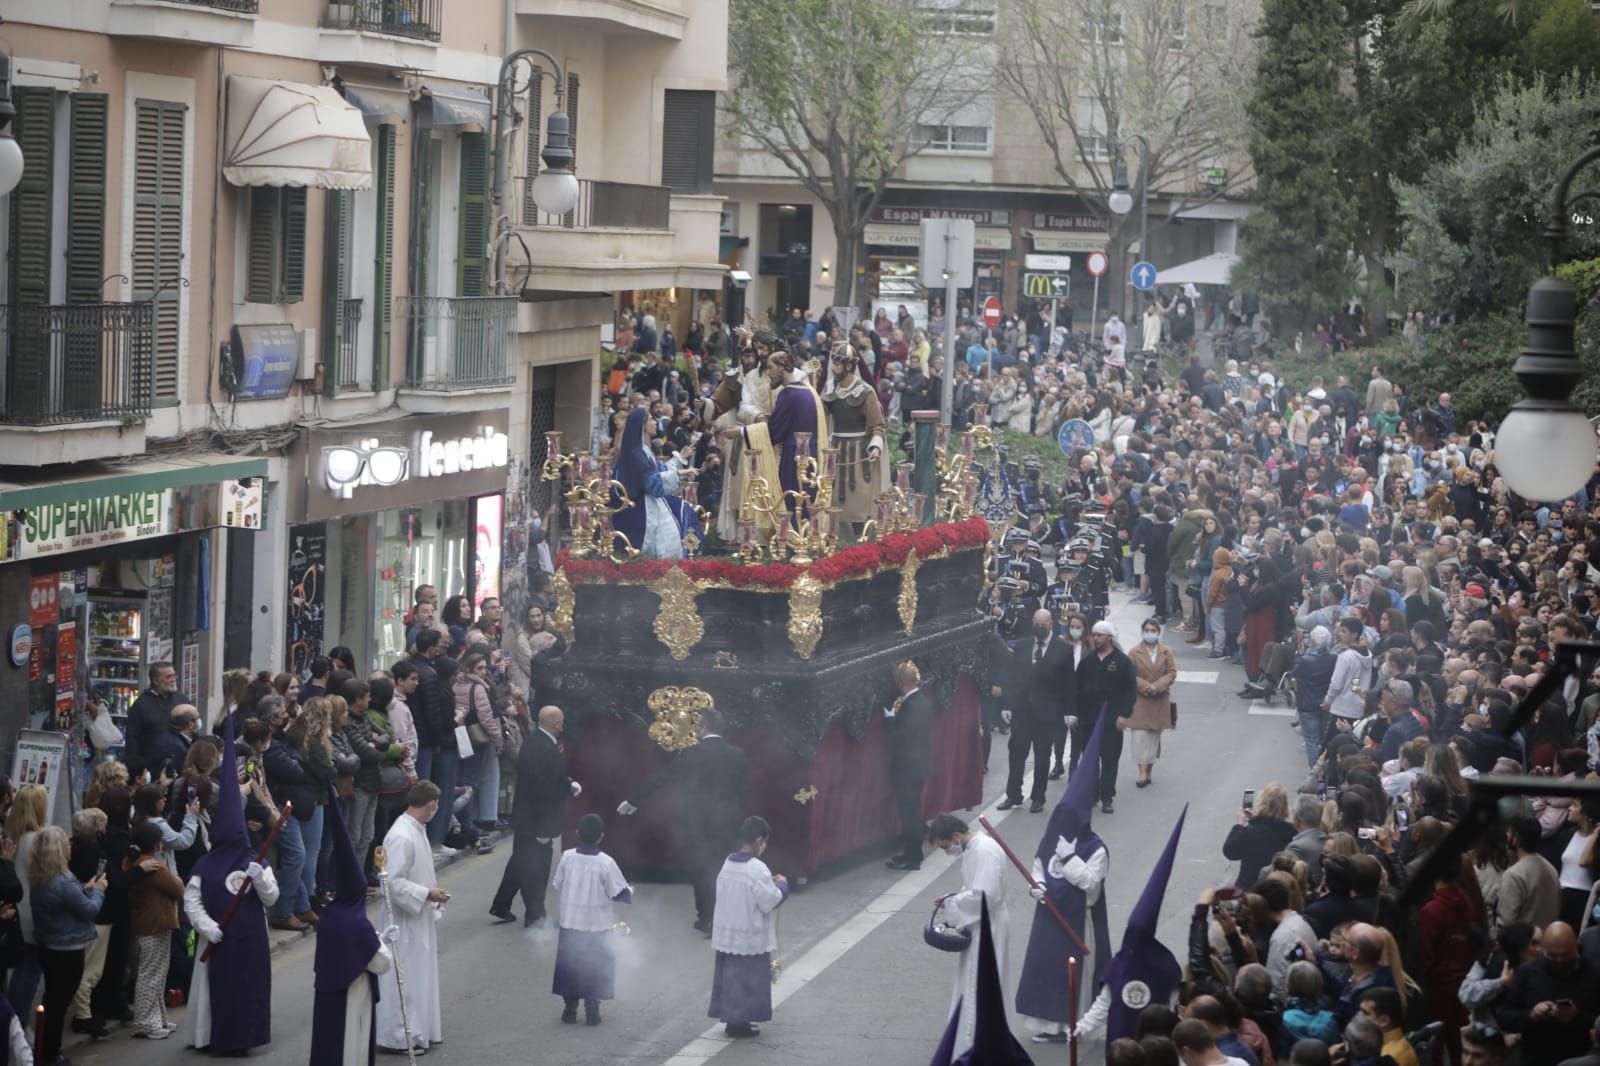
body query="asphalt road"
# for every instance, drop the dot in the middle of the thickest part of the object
(857, 984)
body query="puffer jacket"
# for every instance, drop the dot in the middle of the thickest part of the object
(363, 741)
(474, 705)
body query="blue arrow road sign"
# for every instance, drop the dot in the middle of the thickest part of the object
(1143, 276)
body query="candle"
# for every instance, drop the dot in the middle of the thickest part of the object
(967, 444)
(552, 443)
(690, 492)
(802, 443)
(605, 470)
(941, 436)
(747, 529)
(903, 476)
(980, 414)
(830, 462)
(585, 463)
(919, 507)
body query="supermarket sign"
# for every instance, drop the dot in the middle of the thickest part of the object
(93, 522)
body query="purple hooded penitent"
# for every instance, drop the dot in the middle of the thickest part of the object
(346, 943)
(1043, 989)
(239, 972)
(992, 1042)
(1144, 971)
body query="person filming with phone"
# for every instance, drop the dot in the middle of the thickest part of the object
(1263, 830)
(1553, 999)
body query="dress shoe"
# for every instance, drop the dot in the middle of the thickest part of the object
(903, 864)
(309, 917)
(1105, 807)
(291, 925)
(569, 1015)
(742, 1030)
(702, 926)
(1036, 806)
(501, 917)
(591, 1013)
(1142, 784)
(1008, 803)
(1056, 774)
(537, 923)
(1049, 1038)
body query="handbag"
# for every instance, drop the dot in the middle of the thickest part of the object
(511, 731)
(1174, 705)
(103, 732)
(464, 742)
(942, 937)
(478, 735)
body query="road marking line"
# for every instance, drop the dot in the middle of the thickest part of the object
(830, 949)
(1198, 677)
(1259, 708)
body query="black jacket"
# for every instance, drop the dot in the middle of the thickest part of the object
(713, 777)
(148, 720)
(1107, 682)
(543, 787)
(1549, 1039)
(1254, 844)
(358, 731)
(1040, 693)
(910, 738)
(168, 751)
(1312, 674)
(427, 705)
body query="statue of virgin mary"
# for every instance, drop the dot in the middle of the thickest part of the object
(657, 519)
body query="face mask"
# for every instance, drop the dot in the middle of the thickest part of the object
(1304, 532)
(952, 848)
(1041, 634)
(1076, 632)
(1325, 438)
(1150, 638)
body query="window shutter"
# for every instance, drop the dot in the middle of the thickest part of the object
(383, 272)
(32, 229)
(292, 285)
(474, 214)
(686, 140)
(86, 198)
(262, 258)
(571, 217)
(535, 144)
(158, 229)
(335, 285)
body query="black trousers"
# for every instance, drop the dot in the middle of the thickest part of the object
(1158, 592)
(528, 872)
(707, 852)
(908, 800)
(1026, 739)
(990, 708)
(1110, 753)
(63, 970)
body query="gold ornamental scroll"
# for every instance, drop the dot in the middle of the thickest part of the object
(805, 615)
(906, 601)
(677, 625)
(565, 601)
(677, 712)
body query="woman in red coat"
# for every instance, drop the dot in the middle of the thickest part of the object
(1448, 923)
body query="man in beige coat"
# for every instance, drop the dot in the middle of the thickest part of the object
(1530, 890)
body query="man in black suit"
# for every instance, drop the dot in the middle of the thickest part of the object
(910, 722)
(1105, 685)
(1035, 702)
(713, 774)
(543, 789)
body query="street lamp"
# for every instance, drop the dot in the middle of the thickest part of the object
(555, 189)
(10, 153)
(1121, 202)
(1545, 448)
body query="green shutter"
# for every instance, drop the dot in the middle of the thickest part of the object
(86, 198)
(292, 288)
(383, 258)
(474, 214)
(158, 230)
(335, 286)
(261, 267)
(533, 146)
(32, 233)
(86, 247)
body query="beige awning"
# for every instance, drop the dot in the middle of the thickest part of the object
(289, 133)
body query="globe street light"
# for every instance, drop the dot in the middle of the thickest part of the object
(555, 188)
(10, 153)
(1545, 448)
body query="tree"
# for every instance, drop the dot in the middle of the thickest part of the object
(834, 89)
(1474, 222)
(1095, 73)
(1295, 248)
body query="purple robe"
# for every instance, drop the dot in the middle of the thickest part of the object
(794, 410)
(1043, 989)
(1144, 971)
(346, 943)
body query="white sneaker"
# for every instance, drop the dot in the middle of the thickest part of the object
(441, 851)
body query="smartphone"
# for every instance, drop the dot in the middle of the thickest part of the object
(1249, 803)
(100, 868)
(1367, 832)
(1297, 953)
(1402, 820)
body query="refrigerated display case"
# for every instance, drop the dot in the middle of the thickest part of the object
(117, 654)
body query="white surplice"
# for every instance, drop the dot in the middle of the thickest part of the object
(983, 872)
(409, 860)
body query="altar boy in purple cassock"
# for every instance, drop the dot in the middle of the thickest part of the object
(1144, 971)
(348, 961)
(992, 1042)
(744, 933)
(230, 995)
(589, 881)
(1070, 864)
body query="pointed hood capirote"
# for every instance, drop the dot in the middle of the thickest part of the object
(1070, 819)
(1144, 971)
(230, 838)
(992, 1042)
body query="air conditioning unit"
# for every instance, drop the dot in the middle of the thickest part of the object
(310, 356)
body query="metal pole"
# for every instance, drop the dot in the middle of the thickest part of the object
(1094, 308)
(946, 394)
(1050, 341)
(500, 142)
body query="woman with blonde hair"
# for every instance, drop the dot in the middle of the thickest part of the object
(64, 911)
(1263, 830)
(30, 812)
(106, 775)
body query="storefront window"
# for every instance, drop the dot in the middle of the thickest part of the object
(424, 545)
(487, 520)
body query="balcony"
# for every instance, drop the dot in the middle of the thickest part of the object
(223, 23)
(455, 343)
(347, 344)
(634, 18)
(88, 365)
(619, 236)
(417, 19)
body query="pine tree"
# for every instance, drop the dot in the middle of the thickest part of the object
(1295, 247)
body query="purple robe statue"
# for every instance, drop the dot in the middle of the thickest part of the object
(346, 943)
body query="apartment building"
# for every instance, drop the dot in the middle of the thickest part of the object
(258, 383)
(984, 160)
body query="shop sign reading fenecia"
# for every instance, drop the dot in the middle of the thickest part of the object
(347, 467)
(74, 525)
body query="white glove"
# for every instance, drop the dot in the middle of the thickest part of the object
(235, 881)
(255, 872)
(542, 840)
(1072, 721)
(1064, 848)
(577, 789)
(390, 935)
(1005, 716)
(625, 808)
(1037, 892)
(888, 712)
(212, 932)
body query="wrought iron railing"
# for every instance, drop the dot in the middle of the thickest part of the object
(75, 362)
(603, 205)
(349, 343)
(459, 342)
(403, 18)
(245, 7)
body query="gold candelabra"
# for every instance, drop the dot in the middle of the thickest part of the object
(805, 521)
(589, 506)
